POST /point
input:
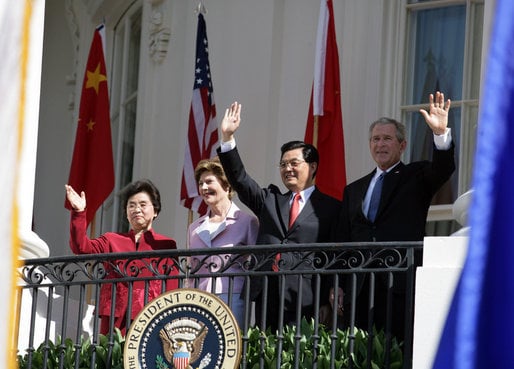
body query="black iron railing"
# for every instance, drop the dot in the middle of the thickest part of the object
(58, 298)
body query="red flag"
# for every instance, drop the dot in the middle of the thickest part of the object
(325, 107)
(92, 168)
(202, 133)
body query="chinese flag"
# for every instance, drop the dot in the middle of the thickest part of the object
(92, 168)
(325, 120)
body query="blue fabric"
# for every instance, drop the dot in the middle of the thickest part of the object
(479, 330)
(374, 201)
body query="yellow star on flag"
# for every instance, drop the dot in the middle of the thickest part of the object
(94, 78)
(90, 125)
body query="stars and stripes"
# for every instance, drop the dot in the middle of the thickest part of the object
(202, 133)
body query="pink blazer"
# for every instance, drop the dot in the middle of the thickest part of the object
(239, 228)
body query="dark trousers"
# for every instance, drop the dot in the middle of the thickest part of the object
(272, 308)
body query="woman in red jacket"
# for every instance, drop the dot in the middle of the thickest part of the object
(142, 202)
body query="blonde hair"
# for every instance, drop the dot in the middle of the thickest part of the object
(214, 166)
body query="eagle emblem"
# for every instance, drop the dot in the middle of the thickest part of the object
(182, 342)
(181, 357)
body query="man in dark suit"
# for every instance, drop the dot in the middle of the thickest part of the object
(315, 220)
(402, 206)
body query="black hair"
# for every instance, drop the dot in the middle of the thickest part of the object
(143, 185)
(310, 153)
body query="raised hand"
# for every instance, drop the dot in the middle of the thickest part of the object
(78, 203)
(437, 116)
(230, 122)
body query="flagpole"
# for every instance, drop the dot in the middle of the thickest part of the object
(324, 120)
(198, 149)
(92, 231)
(315, 136)
(200, 8)
(92, 228)
(315, 131)
(92, 153)
(189, 221)
(188, 259)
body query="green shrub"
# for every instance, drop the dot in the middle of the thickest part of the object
(66, 353)
(261, 344)
(264, 345)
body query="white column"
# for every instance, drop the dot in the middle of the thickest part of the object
(443, 258)
(32, 245)
(436, 280)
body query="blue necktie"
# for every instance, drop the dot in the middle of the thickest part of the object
(375, 198)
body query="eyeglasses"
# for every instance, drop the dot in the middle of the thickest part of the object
(132, 206)
(292, 163)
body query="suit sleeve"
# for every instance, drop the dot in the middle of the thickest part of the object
(248, 190)
(342, 231)
(79, 242)
(443, 165)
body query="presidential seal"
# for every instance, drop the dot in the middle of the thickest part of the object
(183, 329)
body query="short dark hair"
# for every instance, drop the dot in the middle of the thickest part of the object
(400, 127)
(310, 153)
(143, 185)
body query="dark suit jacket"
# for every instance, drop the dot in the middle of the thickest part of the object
(406, 196)
(407, 192)
(315, 223)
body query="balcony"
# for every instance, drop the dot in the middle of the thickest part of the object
(58, 298)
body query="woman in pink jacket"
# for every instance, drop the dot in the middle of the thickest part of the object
(142, 202)
(224, 225)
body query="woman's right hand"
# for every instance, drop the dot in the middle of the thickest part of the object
(78, 203)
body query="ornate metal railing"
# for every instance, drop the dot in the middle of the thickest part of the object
(58, 296)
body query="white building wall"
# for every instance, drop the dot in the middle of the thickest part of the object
(261, 53)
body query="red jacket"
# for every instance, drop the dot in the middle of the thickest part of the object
(124, 242)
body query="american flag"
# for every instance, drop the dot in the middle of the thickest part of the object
(202, 133)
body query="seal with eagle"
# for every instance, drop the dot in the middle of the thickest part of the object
(182, 341)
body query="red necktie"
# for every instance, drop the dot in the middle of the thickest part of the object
(295, 209)
(293, 214)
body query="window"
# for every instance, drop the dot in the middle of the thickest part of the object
(443, 52)
(124, 94)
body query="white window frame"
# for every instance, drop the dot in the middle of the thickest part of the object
(120, 101)
(468, 106)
